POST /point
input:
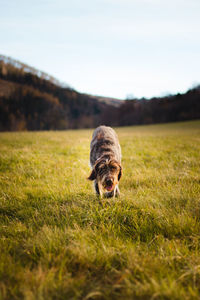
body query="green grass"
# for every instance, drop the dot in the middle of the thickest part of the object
(58, 241)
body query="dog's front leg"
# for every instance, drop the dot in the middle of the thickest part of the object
(96, 186)
(116, 191)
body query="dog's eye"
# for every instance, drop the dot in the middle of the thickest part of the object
(113, 168)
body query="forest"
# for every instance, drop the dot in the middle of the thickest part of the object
(33, 100)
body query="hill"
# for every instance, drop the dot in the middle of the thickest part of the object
(33, 100)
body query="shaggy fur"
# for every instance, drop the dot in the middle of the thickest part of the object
(105, 160)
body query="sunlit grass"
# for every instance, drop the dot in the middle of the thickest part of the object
(58, 241)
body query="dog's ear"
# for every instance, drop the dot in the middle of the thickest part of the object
(93, 175)
(120, 173)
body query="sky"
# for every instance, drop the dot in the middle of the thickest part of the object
(114, 48)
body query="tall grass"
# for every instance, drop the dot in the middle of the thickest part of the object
(59, 241)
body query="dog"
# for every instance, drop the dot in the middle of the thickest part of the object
(105, 161)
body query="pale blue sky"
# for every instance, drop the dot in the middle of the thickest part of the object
(107, 47)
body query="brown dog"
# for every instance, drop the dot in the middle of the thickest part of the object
(105, 160)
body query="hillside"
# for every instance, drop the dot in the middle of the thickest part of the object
(33, 100)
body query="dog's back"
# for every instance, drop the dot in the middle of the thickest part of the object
(104, 142)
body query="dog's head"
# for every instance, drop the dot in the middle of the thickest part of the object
(107, 173)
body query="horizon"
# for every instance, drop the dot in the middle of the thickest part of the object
(107, 48)
(65, 85)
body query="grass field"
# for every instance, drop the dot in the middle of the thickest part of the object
(58, 241)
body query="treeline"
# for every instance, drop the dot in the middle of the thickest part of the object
(31, 102)
(180, 107)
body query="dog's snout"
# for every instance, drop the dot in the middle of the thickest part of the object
(109, 181)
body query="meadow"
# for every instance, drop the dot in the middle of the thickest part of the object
(58, 240)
